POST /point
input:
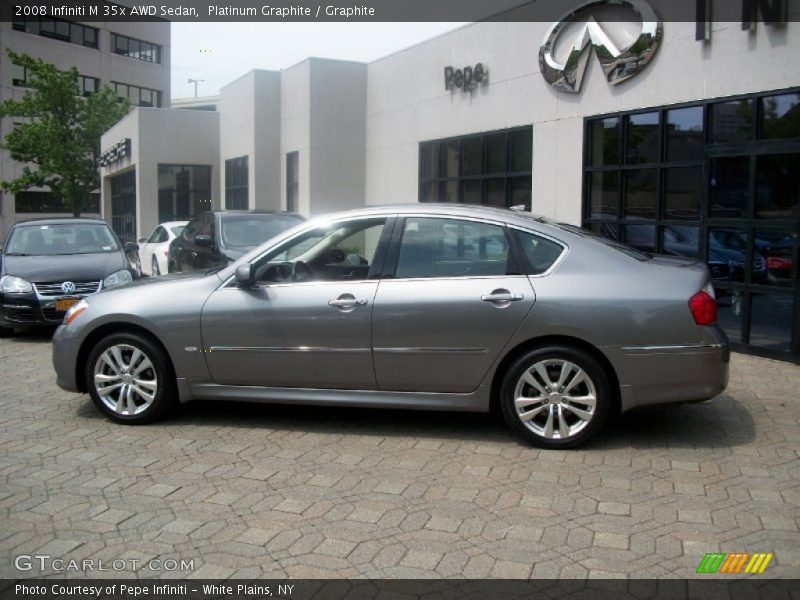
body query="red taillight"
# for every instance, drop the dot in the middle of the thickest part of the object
(704, 308)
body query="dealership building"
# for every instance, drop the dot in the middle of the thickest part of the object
(686, 143)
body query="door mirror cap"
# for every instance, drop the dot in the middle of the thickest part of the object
(245, 275)
(131, 247)
(142, 240)
(204, 240)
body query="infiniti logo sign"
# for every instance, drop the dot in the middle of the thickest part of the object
(68, 287)
(618, 65)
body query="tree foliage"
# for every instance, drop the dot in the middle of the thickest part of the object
(58, 139)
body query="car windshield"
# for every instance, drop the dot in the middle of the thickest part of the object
(250, 230)
(178, 230)
(61, 238)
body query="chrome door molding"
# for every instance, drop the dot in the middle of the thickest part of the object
(324, 349)
(391, 350)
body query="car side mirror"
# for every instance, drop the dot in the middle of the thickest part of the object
(131, 247)
(203, 240)
(142, 240)
(245, 275)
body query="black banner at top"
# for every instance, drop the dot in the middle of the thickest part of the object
(770, 11)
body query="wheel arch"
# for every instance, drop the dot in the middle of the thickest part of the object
(554, 340)
(107, 329)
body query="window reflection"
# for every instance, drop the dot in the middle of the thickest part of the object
(604, 193)
(732, 121)
(729, 188)
(642, 138)
(780, 116)
(640, 193)
(679, 240)
(685, 133)
(642, 237)
(605, 141)
(683, 193)
(779, 248)
(730, 305)
(771, 320)
(778, 186)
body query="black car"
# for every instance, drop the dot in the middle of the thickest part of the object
(215, 238)
(50, 264)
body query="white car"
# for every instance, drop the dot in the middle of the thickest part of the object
(153, 250)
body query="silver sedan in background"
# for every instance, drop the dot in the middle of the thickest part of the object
(423, 306)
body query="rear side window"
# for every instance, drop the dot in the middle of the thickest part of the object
(538, 253)
(434, 247)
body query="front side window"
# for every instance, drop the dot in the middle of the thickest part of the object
(158, 236)
(434, 247)
(339, 252)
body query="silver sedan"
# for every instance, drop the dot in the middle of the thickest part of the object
(439, 307)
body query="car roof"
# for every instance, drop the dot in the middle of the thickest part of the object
(224, 213)
(172, 224)
(61, 221)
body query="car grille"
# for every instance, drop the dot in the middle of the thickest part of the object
(53, 288)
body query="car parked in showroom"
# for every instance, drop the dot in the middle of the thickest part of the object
(423, 306)
(154, 250)
(218, 237)
(50, 264)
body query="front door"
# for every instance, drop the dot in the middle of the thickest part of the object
(455, 300)
(307, 321)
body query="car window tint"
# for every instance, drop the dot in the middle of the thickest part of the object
(339, 252)
(158, 236)
(539, 253)
(177, 230)
(433, 247)
(53, 239)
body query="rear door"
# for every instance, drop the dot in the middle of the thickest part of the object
(451, 297)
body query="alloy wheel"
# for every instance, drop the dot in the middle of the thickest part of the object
(125, 379)
(555, 399)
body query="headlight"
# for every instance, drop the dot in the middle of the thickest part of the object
(74, 311)
(15, 285)
(121, 277)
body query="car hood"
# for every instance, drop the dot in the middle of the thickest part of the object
(164, 279)
(64, 267)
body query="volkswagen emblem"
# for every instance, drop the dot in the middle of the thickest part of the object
(68, 287)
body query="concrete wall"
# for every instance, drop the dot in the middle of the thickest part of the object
(250, 126)
(296, 130)
(407, 102)
(162, 136)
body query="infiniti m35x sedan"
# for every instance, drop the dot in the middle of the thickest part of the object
(422, 306)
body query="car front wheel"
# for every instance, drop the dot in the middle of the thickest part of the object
(130, 379)
(556, 397)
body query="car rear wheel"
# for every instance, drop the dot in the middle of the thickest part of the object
(556, 397)
(154, 270)
(130, 379)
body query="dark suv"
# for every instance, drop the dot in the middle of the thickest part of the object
(50, 264)
(215, 238)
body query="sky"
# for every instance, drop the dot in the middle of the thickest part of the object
(218, 53)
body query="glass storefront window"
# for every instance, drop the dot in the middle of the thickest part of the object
(681, 240)
(727, 255)
(642, 237)
(685, 137)
(779, 249)
(491, 169)
(771, 321)
(778, 186)
(732, 121)
(640, 193)
(729, 188)
(183, 191)
(605, 141)
(683, 193)
(780, 116)
(604, 194)
(730, 306)
(641, 143)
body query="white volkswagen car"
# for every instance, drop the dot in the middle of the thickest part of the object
(153, 250)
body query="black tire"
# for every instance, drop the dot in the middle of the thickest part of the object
(160, 372)
(548, 408)
(172, 267)
(6, 332)
(154, 270)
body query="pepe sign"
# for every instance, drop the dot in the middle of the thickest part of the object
(465, 78)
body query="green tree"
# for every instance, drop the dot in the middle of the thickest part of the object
(59, 139)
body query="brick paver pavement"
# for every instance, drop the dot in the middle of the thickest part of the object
(272, 491)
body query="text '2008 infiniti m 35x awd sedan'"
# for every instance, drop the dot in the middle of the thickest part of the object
(428, 306)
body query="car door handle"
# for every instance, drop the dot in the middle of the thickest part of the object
(347, 302)
(502, 297)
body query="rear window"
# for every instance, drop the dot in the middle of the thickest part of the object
(248, 230)
(620, 247)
